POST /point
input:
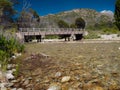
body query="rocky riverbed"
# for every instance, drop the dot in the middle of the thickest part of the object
(69, 66)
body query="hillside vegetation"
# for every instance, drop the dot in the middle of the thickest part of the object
(91, 17)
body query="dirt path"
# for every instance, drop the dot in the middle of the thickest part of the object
(83, 41)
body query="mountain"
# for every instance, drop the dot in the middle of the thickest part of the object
(90, 16)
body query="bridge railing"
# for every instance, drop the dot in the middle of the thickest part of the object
(49, 29)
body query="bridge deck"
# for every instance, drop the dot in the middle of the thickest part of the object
(50, 31)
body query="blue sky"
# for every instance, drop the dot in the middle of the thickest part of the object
(45, 7)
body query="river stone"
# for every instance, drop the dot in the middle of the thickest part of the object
(14, 89)
(119, 48)
(54, 87)
(29, 78)
(10, 84)
(65, 79)
(9, 75)
(2, 85)
(58, 74)
(9, 66)
(14, 81)
(19, 89)
(98, 88)
(3, 88)
(26, 82)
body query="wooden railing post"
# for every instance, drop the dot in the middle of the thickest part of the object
(21, 30)
(33, 29)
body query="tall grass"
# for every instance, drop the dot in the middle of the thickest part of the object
(8, 47)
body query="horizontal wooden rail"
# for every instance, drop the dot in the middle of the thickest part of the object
(50, 31)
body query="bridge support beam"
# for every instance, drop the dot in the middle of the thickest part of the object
(34, 38)
(68, 38)
(38, 38)
(78, 36)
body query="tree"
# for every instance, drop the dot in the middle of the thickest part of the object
(73, 26)
(117, 14)
(35, 15)
(24, 20)
(80, 23)
(62, 24)
(28, 17)
(6, 11)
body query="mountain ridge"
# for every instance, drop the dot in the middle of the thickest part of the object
(90, 16)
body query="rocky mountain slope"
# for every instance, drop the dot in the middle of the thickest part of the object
(90, 16)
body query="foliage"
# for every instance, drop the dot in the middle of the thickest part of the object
(102, 25)
(80, 23)
(16, 73)
(91, 35)
(6, 11)
(73, 26)
(28, 19)
(3, 59)
(8, 47)
(110, 31)
(63, 24)
(24, 19)
(117, 13)
(35, 14)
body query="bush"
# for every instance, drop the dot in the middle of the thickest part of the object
(8, 47)
(91, 36)
(110, 31)
(3, 59)
(63, 24)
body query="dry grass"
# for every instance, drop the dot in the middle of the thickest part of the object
(88, 61)
(70, 51)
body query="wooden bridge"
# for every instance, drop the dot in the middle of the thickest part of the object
(28, 34)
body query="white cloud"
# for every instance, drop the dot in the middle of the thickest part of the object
(109, 12)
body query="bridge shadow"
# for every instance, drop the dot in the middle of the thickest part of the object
(39, 38)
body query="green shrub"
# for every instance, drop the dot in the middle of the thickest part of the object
(91, 36)
(8, 47)
(63, 24)
(110, 31)
(16, 73)
(3, 59)
(20, 48)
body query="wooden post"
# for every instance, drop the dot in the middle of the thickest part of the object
(65, 39)
(40, 39)
(68, 38)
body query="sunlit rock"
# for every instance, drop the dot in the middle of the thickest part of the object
(54, 87)
(9, 75)
(58, 74)
(66, 79)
